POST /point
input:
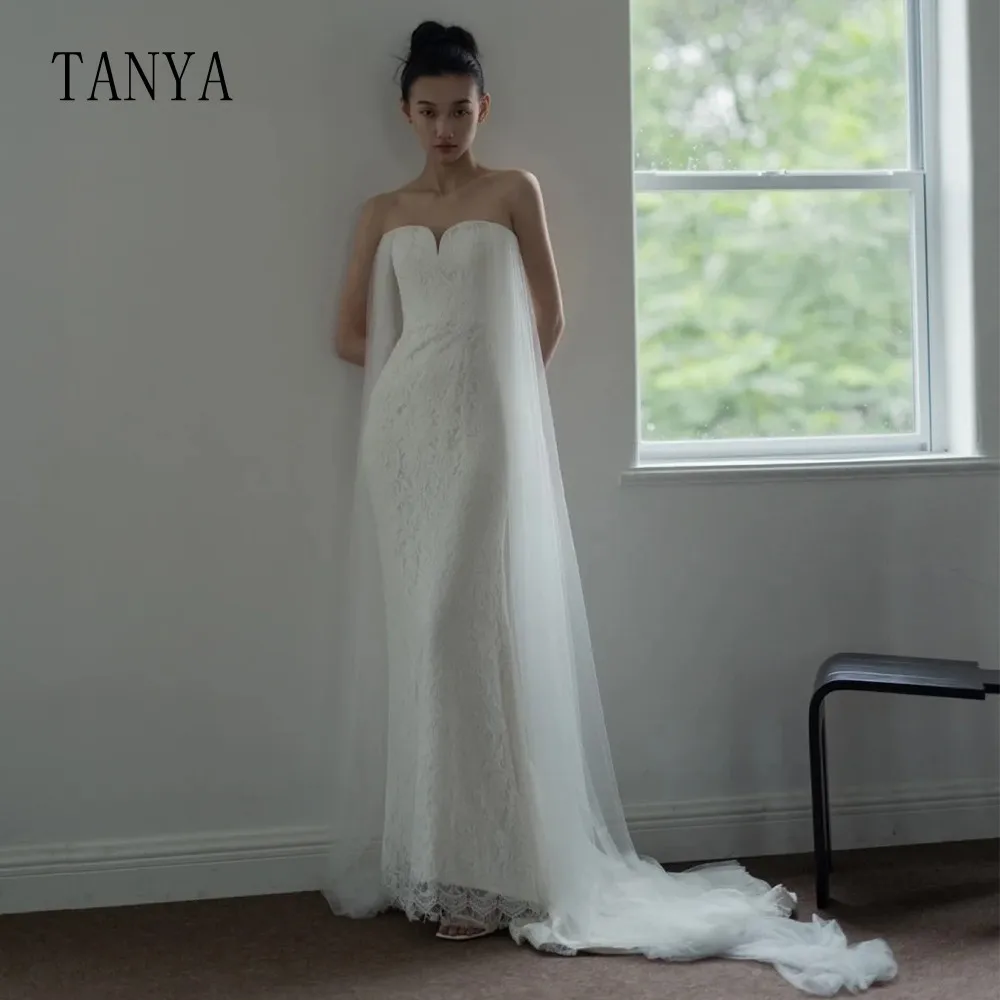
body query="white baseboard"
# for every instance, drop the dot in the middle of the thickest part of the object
(757, 826)
(167, 869)
(160, 869)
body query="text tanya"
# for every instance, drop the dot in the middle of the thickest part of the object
(104, 65)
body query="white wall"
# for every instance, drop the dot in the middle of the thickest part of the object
(177, 450)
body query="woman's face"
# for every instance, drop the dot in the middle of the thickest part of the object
(445, 112)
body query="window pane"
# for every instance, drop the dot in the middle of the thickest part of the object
(769, 84)
(774, 314)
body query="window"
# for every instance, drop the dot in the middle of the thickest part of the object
(781, 206)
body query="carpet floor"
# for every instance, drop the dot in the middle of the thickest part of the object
(938, 906)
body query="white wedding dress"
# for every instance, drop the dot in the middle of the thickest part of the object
(471, 768)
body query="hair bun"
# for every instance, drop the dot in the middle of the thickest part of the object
(433, 33)
(463, 39)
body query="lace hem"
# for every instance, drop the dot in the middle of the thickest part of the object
(435, 901)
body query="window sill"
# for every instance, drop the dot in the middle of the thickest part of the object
(767, 470)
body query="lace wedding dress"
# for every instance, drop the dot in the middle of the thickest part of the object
(472, 772)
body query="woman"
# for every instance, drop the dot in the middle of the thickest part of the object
(474, 784)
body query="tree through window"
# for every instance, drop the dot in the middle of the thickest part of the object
(780, 227)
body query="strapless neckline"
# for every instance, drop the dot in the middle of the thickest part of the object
(439, 240)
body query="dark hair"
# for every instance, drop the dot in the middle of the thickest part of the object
(439, 51)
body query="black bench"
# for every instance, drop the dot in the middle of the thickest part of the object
(872, 672)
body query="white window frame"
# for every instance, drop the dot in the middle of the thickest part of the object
(930, 406)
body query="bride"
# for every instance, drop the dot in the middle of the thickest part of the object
(473, 783)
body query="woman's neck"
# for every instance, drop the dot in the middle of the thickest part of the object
(445, 178)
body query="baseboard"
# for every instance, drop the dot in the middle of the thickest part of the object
(167, 869)
(758, 826)
(160, 870)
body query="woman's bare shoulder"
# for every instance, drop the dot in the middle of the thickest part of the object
(377, 206)
(516, 177)
(377, 210)
(518, 186)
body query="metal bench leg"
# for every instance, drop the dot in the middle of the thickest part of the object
(825, 778)
(820, 800)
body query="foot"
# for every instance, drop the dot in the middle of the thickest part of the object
(453, 929)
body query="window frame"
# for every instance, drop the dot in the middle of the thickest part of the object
(919, 178)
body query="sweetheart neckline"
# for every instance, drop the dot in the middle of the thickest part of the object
(439, 240)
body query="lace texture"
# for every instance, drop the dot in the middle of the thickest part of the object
(433, 455)
(436, 902)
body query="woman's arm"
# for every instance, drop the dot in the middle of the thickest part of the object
(352, 314)
(528, 214)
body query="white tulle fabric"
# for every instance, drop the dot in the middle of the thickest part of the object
(471, 769)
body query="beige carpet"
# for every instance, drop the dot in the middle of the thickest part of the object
(938, 907)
